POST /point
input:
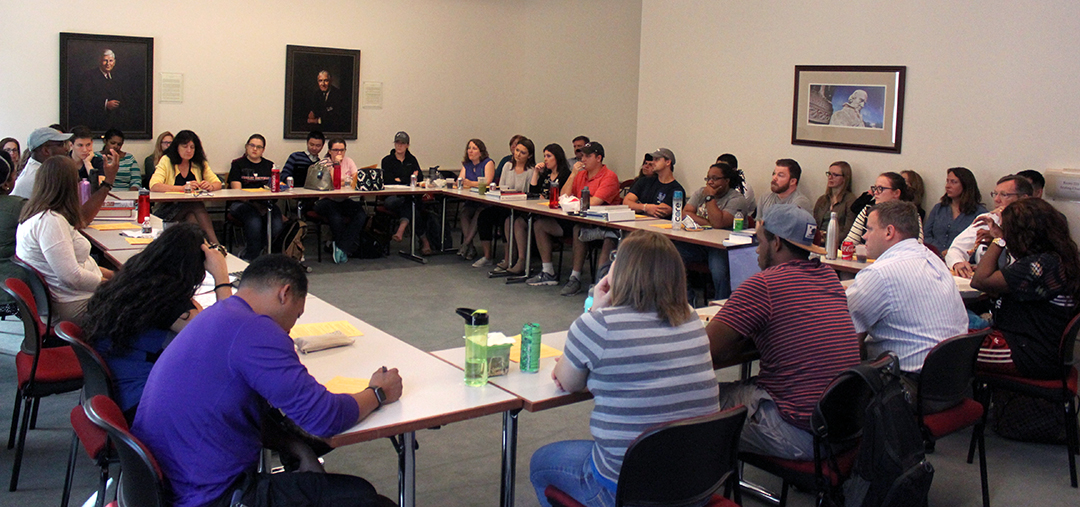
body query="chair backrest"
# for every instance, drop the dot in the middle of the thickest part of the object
(682, 462)
(839, 415)
(32, 325)
(1068, 344)
(949, 370)
(142, 483)
(42, 294)
(97, 378)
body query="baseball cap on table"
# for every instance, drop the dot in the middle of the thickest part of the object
(44, 135)
(666, 153)
(401, 137)
(593, 147)
(792, 223)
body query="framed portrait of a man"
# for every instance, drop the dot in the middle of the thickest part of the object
(106, 81)
(852, 107)
(322, 90)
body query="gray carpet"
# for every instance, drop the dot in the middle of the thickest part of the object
(459, 464)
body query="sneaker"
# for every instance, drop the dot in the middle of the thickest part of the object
(339, 255)
(481, 262)
(470, 253)
(572, 288)
(544, 278)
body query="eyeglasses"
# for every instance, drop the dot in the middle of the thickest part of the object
(831, 174)
(256, 146)
(1005, 195)
(877, 190)
(13, 151)
(710, 179)
(613, 252)
(337, 150)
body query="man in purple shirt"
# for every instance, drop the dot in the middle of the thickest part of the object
(202, 410)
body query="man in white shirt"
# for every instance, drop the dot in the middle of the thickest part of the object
(970, 244)
(785, 187)
(43, 143)
(906, 301)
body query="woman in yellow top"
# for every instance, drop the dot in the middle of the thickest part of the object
(185, 162)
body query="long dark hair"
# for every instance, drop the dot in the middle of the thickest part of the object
(1033, 226)
(184, 137)
(162, 277)
(528, 144)
(562, 167)
(970, 197)
(899, 183)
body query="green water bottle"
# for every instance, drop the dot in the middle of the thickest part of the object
(530, 348)
(476, 332)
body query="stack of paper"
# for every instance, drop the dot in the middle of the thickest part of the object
(611, 213)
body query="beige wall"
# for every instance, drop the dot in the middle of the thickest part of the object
(991, 85)
(451, 69)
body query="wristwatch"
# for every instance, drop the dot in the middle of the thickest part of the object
(1000, 242)
(709, 198)
(380, 396)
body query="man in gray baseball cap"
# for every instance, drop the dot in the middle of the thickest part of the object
(794, 314)
(43, 143)
(653, 196)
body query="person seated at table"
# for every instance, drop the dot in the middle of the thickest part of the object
(958, 207)
(1037, 181)
(715, 205)
(299, 161)
(784, 187)
(507, 162)
(639, 316)
(10, 208)
(13, 148)
(890, 186)
(747, 190)
(129, 176)
(48, 239)
(603, 189)
(398, 168)
(918, 190)
(208, 398)
(646, 169)
(968, 246)
(475, 165)
(515, 178)
(131, 318)
(653, 196)
(82, 151)
(1037, 293)
(346, 215)
(906, 301)
(164, 139)
(183, 164)
(795, 315)
(836, 199)
(46, 142)
(253, 171)
(554, 169)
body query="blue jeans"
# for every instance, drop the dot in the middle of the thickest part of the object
(247, 212)
(347, 219)
(718, 265)
(567, 465)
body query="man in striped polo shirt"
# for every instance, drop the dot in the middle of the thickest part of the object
(794, 312)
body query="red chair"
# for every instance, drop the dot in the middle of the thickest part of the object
(40, 288)
(47, 371)
(142, 484)
(836, 424)
(943, 405)
(679, 463)
(1061, 391)
(624, 188)
(97, 379)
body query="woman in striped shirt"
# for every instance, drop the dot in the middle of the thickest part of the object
(643, 354)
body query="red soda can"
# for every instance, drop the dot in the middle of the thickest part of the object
(848, 251)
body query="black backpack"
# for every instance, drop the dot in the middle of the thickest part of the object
(891, 468)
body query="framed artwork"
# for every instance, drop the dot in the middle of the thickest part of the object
(107, 81)
(322, 90)
(851, 107)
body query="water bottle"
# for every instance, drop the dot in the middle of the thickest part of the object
(584, 201)
(553, 195)
(275, 179)
(84, 191)
(144, 204)
(476, 331)
(530, 348)
(832, 237)
(146, 227)
(676, 210)
(740, 221)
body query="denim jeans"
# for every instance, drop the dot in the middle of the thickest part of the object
(427, 224)
(347, 219)
(567, 465)
(718, 265)
(254, 226)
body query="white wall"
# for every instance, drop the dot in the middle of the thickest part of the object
(451, 70)
(991, 85)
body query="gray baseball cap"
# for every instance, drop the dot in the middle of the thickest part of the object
(792, 223)
(44, 135)
(401, 137)
(666, 153)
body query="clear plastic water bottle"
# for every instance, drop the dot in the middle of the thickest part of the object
(832, 238)
(476, 332)
(84, 191)
(676, 210)
(740, 221)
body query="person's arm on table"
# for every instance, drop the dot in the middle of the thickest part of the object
(956, 258)
(210, 181)
(987, 277)
(92, 205)
(727, 346)
(389, 381)
(567, 377)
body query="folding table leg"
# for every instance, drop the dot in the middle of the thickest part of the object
(411, 254)
(509, 457)
(406, 469)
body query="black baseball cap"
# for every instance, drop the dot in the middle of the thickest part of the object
(593, 148)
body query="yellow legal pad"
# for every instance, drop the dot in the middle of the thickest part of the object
(139, 241)
(320, 328)
(115, 227)
(545, 350)
(661, 226)
(255, 189)
(346, 385)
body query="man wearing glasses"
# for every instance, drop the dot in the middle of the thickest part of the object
(253, 171)
(969, 246)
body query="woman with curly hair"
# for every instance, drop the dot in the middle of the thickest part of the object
(1037, 293)
(131, 318)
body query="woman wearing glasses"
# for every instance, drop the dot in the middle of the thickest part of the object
(715, 205)
(959, 206)
(889, 186)
(837, 198)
